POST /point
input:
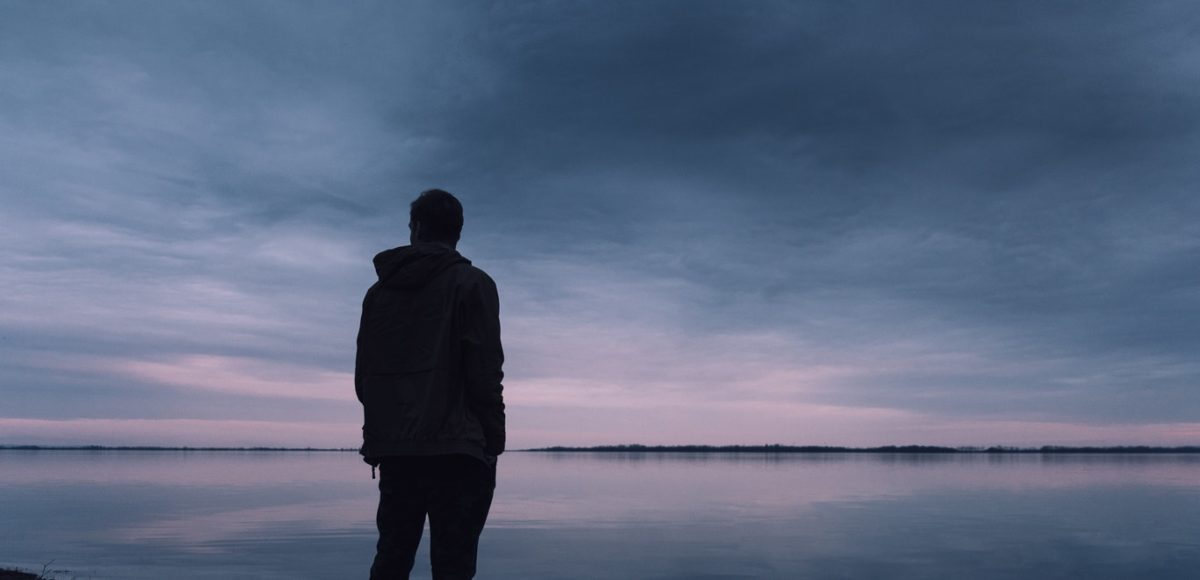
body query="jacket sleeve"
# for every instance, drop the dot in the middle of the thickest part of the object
(483, 357)
(360, 369)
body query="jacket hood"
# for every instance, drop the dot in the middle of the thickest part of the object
(414, 266)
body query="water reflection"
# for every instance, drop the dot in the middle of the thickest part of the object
(603, 515)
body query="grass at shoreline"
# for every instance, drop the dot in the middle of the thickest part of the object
(18, 574)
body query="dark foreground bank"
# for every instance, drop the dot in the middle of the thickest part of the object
(14, 574)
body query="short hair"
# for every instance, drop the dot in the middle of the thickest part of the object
(440, 215)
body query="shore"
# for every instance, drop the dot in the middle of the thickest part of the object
(14, 574)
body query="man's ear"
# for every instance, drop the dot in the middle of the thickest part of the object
(414, 229)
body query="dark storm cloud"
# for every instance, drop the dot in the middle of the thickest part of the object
(854, 85)
(956, 209)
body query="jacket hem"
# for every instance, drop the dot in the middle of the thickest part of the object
(427, 448)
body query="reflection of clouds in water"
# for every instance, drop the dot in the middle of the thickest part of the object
(227, 470)
(310, 515)
(606, 489)
(224, 530)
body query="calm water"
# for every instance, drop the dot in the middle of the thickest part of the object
(309, 515)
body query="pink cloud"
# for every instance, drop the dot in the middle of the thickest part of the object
(178, 432)
(242, 375)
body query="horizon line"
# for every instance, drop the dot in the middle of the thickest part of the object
(640, 448)
(779, 448)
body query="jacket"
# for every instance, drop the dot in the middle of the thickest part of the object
(428, 369)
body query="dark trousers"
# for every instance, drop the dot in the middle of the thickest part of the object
(454, 490)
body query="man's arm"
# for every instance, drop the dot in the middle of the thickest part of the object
(483, 357)
(359, 358)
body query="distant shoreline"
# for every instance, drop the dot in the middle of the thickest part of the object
(634, 448)
(929, 449)
(158, 448)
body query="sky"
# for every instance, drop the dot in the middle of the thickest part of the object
(818, 223)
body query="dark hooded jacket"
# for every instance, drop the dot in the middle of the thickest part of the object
(428, 369)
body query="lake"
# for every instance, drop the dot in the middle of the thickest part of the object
(198, 514)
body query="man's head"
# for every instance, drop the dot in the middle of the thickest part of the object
(435, 216)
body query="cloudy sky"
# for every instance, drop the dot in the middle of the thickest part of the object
(849, 223)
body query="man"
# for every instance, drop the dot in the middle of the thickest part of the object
(428, 376)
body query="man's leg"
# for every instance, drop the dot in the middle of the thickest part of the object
(403, 497)
(458, 508)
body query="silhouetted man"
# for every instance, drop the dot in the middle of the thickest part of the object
(428, 375)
